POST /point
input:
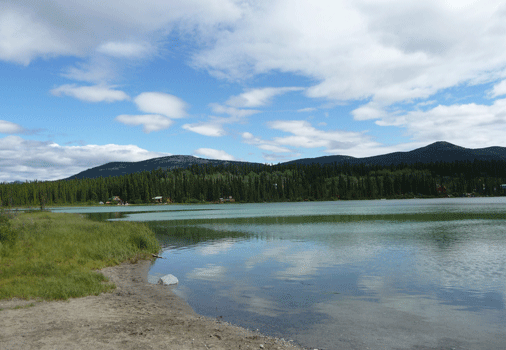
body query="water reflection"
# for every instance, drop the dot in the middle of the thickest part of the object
(400, 275)
(178, 235)
(210, 272)
(105, 216)
(444, 237)
(417, 271)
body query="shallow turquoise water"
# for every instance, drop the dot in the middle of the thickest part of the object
(342, 275)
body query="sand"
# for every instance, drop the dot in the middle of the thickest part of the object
(136, 315)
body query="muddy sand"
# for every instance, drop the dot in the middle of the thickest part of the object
(136, 315)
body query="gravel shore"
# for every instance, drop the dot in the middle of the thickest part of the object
(136, 315)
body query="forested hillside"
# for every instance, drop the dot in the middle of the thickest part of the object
(259, 183)
(436, 152)
(164, 163)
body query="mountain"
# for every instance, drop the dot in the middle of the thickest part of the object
(435, 152)
(164, 163)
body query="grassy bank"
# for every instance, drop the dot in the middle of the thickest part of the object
(54, 256)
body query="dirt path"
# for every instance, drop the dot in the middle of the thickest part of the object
(136, 315)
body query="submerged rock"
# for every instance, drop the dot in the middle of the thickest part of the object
(153, 279)
(168, 280)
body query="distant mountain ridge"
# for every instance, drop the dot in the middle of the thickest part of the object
(164, 163)
(436, 152)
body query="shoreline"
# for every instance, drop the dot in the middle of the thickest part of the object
(96, 205)
(135, 315)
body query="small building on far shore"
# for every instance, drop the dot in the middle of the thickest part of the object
(157, 199)
(441, 190)
(229, 199)
(114, 199)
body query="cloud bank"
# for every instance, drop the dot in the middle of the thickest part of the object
(22, 159)
(7, 127)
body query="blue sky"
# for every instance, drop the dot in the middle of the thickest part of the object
(86, 83)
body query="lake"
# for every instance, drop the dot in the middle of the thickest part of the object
(383, 274)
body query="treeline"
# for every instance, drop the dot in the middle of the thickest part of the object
(264, 183)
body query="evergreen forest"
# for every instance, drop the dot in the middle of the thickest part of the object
(268, 183)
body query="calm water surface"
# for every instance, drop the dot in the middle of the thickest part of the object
(407, 274)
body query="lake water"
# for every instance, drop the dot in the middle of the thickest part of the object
(396, 274)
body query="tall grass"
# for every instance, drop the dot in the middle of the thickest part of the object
(7, 235)
(54, 256)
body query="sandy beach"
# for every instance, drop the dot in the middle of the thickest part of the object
(136, 315)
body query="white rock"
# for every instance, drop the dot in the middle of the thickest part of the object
(167, 280)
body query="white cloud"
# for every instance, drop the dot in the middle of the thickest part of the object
(368, 111)
(499, 89)
(387, 51)
(472, 125)
(258, 97)
(150, 122)
(309, 109)
(23, 37)
(96, 70)
(426, 103)
(125, 49)
(213, 154)
(206, 129)
(97, 93)
(7, 127)
(232, 111)
(273, 148)
(161, 103)
(265, 145)
(383, 51)
(162, 106)
(101, 33)
(39, 29)
(304, 135)
(277, 152)
(214, 126)
(22, 159)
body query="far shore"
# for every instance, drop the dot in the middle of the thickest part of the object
(91, 205)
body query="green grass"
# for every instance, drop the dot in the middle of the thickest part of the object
(54, 256)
